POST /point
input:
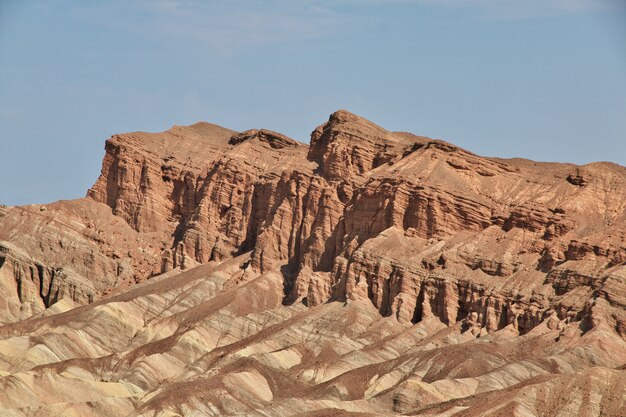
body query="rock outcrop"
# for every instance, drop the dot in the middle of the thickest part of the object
(37, 286)
(368, 255)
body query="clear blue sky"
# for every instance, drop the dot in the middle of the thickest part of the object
(541, 79)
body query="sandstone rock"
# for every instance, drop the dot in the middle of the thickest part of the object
(223, 273)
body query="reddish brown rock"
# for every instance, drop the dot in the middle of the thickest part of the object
(369, 255)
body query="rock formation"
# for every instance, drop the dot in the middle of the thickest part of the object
(235, 273)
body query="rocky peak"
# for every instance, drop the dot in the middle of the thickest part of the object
(349, 145)
(272, 139)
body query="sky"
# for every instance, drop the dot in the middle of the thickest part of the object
(539, 79)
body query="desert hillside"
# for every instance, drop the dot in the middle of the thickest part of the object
(211, 272)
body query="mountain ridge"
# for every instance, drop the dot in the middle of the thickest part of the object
(201, 241)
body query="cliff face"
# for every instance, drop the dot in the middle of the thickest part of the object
(372, 271)
(417, 226)
(36, 285)
(69, 250)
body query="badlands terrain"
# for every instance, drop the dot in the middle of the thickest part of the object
(371, 273)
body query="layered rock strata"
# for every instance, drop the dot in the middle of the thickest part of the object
(435, 247)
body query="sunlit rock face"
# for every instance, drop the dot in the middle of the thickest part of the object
(213, 272)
